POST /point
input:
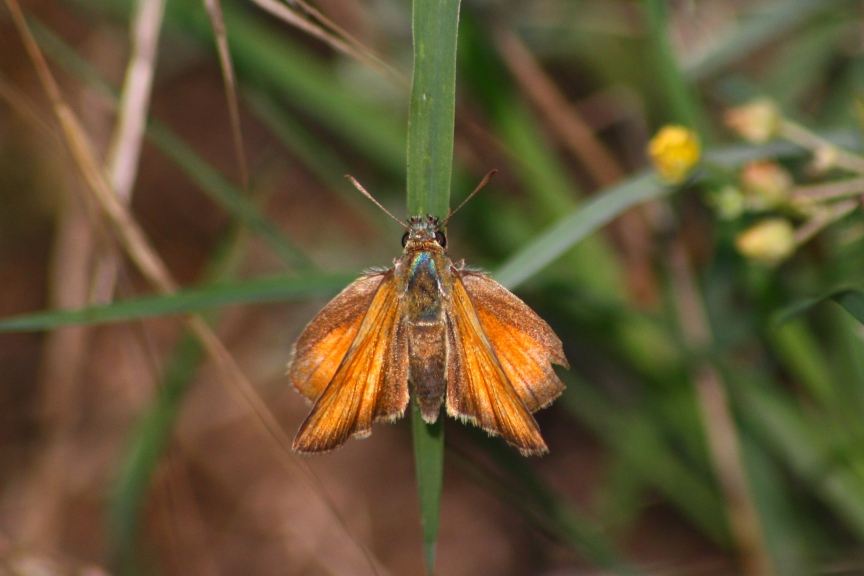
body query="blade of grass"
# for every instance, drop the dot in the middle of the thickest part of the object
(430, 159)
(850, 299)
(275, 289)
(683, 106)
(593, 214)
(428, 440)
(139, 249)
(805, 447)
(153, 431)
(433, 107)
(853, 302)
(545, 178)
(783, 517)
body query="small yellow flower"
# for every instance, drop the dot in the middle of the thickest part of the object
(767, 184)
(769, 242)
(674, 151)
(756, 121)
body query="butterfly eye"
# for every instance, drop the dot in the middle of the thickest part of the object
(441, 239)
(405, 238)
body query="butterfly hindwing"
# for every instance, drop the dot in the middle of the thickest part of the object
(478, 388)
(370, 382)
(524, 344)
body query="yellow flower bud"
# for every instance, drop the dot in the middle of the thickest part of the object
(728, 202)
(674, 151)
(824, 159)
(756, 122)
(766, 183)
(769, 242)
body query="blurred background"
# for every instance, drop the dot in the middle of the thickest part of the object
(700, 433)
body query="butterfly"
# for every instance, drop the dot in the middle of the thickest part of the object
(448, 332)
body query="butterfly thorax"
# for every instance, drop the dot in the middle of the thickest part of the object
(424, 270)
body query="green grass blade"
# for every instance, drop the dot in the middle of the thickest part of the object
(853, 302)
(850, 299)
(799, 350)
(433, 106)
(593, 214)
(152, 434)
(609, 204)
(275, 289)
(429, 463)
(807, 449)
(430, 159)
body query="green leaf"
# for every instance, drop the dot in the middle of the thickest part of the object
(433, 106)
(807, 447)
(853, 302)
(429, 463)
(850, 299)
(274, 289)
(593, 214)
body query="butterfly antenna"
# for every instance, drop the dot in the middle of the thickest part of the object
(372, 198)
(479, 187)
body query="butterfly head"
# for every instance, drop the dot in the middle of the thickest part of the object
(424, 233)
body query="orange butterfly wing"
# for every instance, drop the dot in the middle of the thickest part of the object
(325, 341)
(369, 381)
(478, 388)
(524, 343)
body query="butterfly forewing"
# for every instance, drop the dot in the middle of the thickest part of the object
(325, 341)
(370, 382)
(524, 344)
(477, 387)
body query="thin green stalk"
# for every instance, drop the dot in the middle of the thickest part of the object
(433, 106)
(430, 158)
